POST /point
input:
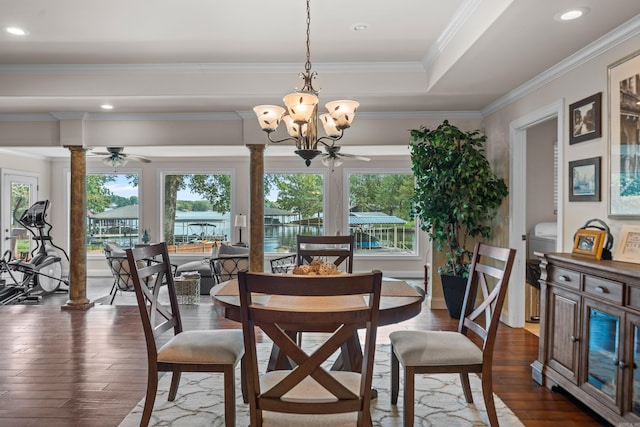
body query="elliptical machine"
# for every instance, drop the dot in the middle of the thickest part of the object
(42, 274)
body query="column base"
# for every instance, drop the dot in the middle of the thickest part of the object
(70, 305)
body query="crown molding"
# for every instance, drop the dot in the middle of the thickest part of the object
(199, 68)
(629, 29)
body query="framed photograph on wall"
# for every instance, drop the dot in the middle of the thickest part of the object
(628, 244)
(589, 242)
(624, 129)
(585, 117)
(584, 180)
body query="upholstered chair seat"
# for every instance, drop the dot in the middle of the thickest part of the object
(433, 348)
(207, 347)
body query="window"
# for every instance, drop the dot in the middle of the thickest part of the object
(112, 210)
(293, 204)
(196, 211)
(379, 213)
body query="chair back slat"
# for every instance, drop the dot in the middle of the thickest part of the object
(336, 305)
(488, 279)
(152, 274)
(336, 249)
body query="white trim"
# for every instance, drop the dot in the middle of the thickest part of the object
(517, 201)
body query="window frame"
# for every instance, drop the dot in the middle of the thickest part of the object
(324, 173)
(346, 175)
(162, 172)
(120, 171)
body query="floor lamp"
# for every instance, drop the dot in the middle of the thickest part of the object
(241, 221)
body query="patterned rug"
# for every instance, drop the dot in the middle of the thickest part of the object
(439, 401)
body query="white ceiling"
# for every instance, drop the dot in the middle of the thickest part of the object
(206, 56)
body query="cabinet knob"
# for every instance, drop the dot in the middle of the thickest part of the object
(622, 365)
(574, 338)
(563, 278)
(601, 290)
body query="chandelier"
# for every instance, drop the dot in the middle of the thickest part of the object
(301, 114)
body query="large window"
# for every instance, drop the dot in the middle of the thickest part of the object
(379, 213)
(112, 210)
(196, 211)
(293, 205)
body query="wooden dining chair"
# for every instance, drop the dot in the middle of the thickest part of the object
(185, 351)
(437, 352)
(336, 249)
(310, 393)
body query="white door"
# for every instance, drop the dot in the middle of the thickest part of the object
(22, 189)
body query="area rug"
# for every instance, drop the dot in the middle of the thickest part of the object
(439, 401)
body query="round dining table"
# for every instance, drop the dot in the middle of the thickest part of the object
(399, 301)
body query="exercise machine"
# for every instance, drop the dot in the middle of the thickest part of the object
(41, 274)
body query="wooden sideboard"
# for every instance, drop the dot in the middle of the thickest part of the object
(590, 333)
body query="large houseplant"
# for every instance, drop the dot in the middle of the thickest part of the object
(455, 197)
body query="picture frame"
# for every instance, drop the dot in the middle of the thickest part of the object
(585, 119)
(584, 180)
(628, 249)
(624, 176)
(589, 242)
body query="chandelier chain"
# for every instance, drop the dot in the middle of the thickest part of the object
(307, 65)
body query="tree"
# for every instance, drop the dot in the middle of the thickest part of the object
(301, 193)
(98, 196)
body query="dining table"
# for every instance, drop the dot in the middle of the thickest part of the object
(399, 301)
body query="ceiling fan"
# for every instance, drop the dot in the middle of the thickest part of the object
(115, 157)
(333, 156)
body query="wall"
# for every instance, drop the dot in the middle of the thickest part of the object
(581, 82)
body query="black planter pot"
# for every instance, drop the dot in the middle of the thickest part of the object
(454, 288)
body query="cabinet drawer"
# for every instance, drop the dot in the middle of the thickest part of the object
(563, 276)
(634, 297)
(603, 288)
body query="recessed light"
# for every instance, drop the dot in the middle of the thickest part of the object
(106, 107)
(360, 27)
(571, 14)
(16, 31)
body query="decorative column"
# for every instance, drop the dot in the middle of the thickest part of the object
(256, 207)
(77, 233)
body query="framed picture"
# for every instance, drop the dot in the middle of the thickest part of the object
(624, 156)
(585, 119)
(589, 242)
(584, 180)
(628, 244)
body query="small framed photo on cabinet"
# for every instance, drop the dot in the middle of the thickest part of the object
(589, 242)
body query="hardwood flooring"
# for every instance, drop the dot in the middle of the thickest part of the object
(88, 368)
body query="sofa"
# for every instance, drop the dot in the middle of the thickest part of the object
(207, 281)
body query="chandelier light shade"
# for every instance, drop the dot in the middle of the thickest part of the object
(301, 114)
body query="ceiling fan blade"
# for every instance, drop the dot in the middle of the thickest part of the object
(353, 156)
(136, 157)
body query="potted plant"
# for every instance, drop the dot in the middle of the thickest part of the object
(455, 197)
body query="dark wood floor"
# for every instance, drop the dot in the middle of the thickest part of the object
(62, 368)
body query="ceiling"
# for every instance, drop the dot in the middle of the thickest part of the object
(205, 56)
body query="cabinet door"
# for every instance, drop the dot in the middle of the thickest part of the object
(602, 353)
(563, 332)
(631, 365)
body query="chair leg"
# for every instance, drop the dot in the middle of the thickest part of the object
(395, 377)
(229, 396)
(150, 398)
(175, 382)
(243, 381)
(409, 395)
(466, 387)
(113, 292)
(487, 393)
